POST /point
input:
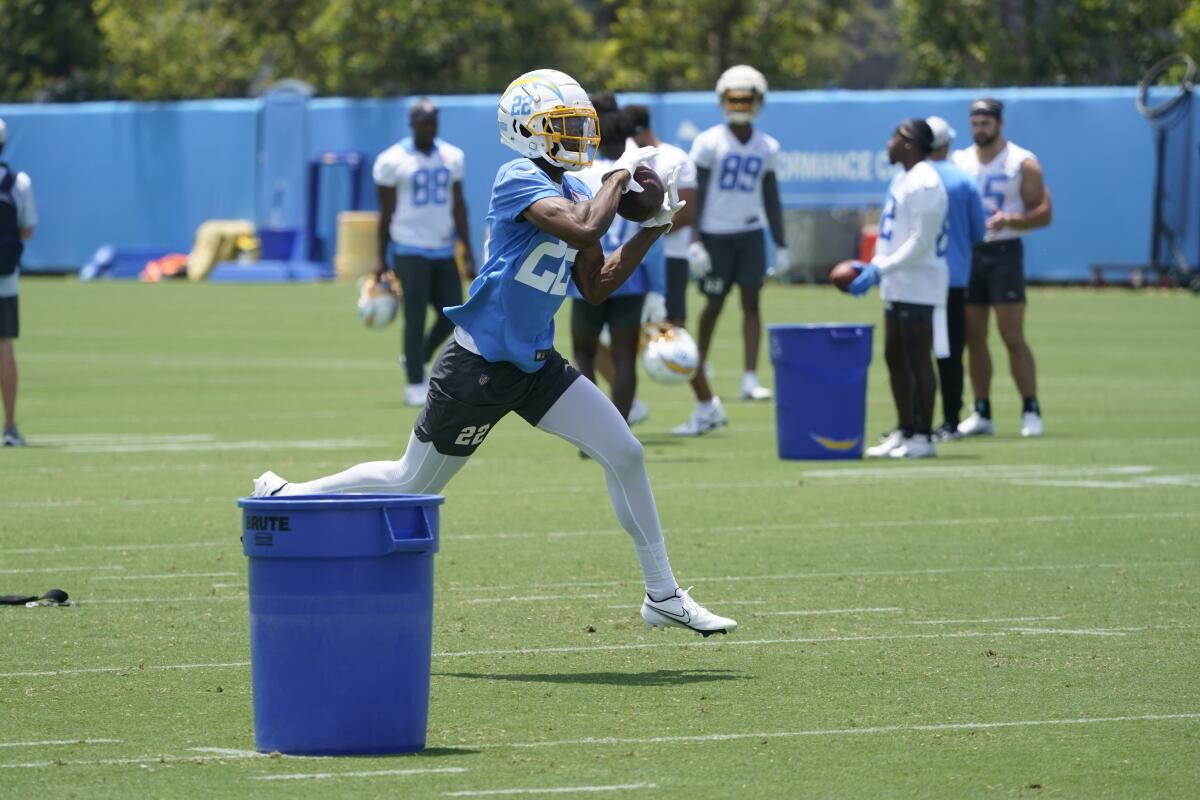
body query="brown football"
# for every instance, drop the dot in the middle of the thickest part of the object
(641, 206)
(843, 275)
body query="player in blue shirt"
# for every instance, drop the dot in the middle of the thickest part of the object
(968, 224)
(545, 230)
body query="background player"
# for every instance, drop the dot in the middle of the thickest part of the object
(910, 266)
(736, 196)
(967, 226)
(676, 248)
(621, 313)
(1015, 196)
(18, 216)
(545, 231)
(421, 214)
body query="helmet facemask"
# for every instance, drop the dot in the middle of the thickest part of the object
(571, 133)
(741, 105)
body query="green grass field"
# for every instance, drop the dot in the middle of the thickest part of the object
(1017, 618)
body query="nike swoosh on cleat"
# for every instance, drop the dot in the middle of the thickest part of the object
(685, 616)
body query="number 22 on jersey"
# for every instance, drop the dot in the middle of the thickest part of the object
(552, 279)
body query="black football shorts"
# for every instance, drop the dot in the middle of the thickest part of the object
(997, 274)
(469, 395)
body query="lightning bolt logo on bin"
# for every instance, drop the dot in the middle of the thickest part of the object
(836, 445)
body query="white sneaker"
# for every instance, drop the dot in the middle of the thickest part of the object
(414, 394)
(705, 417)
(753, 390)
(976, 425)
(269, 485)
(886, 445)
(915, 446)
(1031, 424)
(681, 611)
(638, 412)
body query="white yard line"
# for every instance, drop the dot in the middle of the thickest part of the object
(165, 576)
(52, 742)
(165, 601)
(837, 525)
(971, 621)
(538, 598)
(824, 611)
(726, 642)
(373, 773)
(31, 570)
(712, 603)
(614, 787)
(943, 726)
(127, 668)
(449, 536)
(790, 576)
(666, 642)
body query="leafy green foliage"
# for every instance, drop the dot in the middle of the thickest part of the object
(170, 49)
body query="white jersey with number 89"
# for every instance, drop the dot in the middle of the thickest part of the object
(733, 197)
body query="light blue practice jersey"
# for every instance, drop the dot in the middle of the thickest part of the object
(523, 282)
(966, 218)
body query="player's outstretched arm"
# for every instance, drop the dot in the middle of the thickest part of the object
(582, 224)
(597, 277)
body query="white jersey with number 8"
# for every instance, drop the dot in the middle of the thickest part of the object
(424, 185)
(733, 198)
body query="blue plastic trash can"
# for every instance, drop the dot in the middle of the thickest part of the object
(820, 389)
(341, 621)
(276, 244)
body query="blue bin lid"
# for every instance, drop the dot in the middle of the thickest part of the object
(339, 525)
(325, 502)
(811, 326)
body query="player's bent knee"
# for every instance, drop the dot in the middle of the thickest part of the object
(625, 454)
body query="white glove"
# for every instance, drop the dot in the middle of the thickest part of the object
(671, 202)
(630, 160)
(654, 308)
(699, 262)
(782, 261)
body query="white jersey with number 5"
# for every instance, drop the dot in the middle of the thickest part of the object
(999, 182)
(733, 198)
(423, 223)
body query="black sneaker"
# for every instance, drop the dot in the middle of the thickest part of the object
(947, 432)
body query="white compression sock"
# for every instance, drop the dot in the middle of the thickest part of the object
(422, 470)
(587, 419)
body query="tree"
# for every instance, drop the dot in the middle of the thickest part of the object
(1035, 42)
(685, 44)
(52, 51)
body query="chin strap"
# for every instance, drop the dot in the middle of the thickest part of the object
(54, 597)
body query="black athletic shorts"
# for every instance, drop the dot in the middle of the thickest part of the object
(909, 313)
(677, 283)
(739, 258)
(10, 319)
(617, 312)
(468, 395)
(997, 274)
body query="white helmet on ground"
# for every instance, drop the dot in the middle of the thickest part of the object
(378, 301)
(546, 114)
(741, 91)
(669, 354)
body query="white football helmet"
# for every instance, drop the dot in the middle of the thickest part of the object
(741, 91)
(546, 114)
(669, 354)
(378, 301)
